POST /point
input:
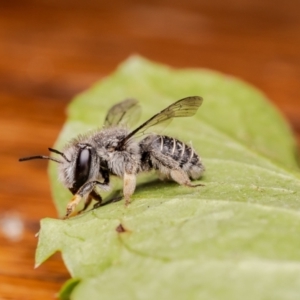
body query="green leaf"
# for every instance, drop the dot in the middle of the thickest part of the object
(67, 289)
(236, 237)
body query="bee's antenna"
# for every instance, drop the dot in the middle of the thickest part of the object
(60, 153)
(40, 157)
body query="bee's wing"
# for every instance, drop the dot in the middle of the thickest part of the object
(126, 112)
(185, 107)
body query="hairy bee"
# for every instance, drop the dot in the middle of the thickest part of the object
(88, 161)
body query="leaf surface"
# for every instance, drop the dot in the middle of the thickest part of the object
(236, 236)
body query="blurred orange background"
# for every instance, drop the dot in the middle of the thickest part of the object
(51, 50)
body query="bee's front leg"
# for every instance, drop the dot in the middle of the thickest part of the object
(97, 198)
(72, 205)
(85, 190)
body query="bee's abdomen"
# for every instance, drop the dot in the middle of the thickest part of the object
(182, 154)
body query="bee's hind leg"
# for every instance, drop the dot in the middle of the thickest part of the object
(167, 166)
(182, 178)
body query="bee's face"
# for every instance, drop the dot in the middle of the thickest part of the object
(81, 167)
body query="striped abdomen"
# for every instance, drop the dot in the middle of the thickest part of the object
(164, 152)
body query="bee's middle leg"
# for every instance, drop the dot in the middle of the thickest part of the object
(129, 184)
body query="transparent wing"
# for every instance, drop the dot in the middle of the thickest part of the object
(185, 107)
(126, 112)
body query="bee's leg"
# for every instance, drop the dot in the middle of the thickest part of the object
(166, 165)
(129, 183)
(182, 178)
(97, 198)
(72, 205)
(92, 196)
(86, 203)
(86, 189)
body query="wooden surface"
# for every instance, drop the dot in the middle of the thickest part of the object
(51, 50)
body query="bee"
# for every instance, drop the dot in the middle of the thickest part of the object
(86, 163)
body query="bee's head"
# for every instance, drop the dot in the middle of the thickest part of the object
(77, 165)
(80, 166)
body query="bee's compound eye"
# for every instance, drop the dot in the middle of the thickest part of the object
(84, 161)
(83, 165)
